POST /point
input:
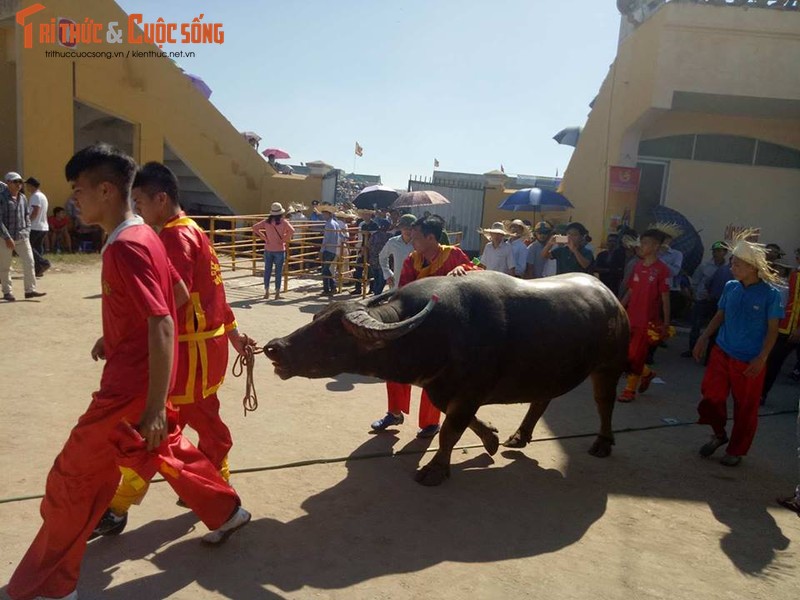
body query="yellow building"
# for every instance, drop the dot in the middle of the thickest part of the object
(53, 102)
(705, 100)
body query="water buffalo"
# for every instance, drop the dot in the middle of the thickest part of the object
(483, 338)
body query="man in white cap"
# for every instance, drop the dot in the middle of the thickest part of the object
(747, 320)
(15, 229)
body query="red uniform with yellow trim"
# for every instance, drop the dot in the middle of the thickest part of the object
(202, 357)
(415, 267)
(203, 323)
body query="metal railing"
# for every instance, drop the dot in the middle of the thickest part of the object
(238, 248)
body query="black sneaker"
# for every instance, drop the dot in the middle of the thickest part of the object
(109, 524)
(29, 295)
(9, 297)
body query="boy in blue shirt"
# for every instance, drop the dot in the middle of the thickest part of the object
(747, 320)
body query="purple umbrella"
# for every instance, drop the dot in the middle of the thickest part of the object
(200, 85)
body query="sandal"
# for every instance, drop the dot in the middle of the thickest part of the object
(792, 503)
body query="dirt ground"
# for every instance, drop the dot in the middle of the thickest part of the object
(336, 513)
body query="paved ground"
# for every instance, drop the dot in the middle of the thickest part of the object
(652, 521)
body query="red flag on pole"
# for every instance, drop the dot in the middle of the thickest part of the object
(359, 150)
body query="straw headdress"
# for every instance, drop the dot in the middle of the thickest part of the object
(668, 228)
(753, 254)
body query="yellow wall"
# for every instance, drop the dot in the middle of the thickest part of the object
(688, 48)
(287, 189)
(152, 94)
(714, 195)
(8, 104)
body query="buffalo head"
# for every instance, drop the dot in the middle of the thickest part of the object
(343, 337)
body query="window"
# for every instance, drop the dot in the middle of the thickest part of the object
(676, 146)
(725, 149)
(773, 155)
(731, 149)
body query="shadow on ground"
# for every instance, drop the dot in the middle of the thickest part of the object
(377, 522)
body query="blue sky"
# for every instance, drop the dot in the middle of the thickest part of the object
(475, 84)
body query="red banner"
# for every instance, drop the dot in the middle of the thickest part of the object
(623, 191)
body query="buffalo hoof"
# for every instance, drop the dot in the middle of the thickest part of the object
(491, 441)
(432, 474)
(601, 447)
(516, 441)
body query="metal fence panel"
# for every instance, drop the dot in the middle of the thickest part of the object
(463, 214)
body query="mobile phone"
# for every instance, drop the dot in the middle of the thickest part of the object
(560, 239)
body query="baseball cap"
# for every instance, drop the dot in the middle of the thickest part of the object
(543, 227)
(12, 176)
(406, 221)
(32, 181)
(719, 246)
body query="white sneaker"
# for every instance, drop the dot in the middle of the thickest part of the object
(72, 596)
(239, 519)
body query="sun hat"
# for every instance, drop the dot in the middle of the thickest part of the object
(517, 223)
(406, 221)
(277, 209)
(497, 227)
(326, 208)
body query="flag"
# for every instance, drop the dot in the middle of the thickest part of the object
(502, 170)
(359, 150)
(435, 163)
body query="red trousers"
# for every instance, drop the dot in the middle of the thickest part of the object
(400, 401)
(213, 436)
(725, 375)
(638, 347)
(84, 477)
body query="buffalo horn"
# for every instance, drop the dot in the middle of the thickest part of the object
(364, 326)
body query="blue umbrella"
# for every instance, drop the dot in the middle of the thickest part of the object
(536, 198)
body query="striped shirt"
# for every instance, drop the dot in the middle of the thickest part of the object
(15, 223)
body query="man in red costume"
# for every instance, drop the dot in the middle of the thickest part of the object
(205, 325)
(127, 422)
(429, 259)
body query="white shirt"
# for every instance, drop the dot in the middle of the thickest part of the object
(498, 259)
(399, 251)
(520, 253)
(40, 222)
